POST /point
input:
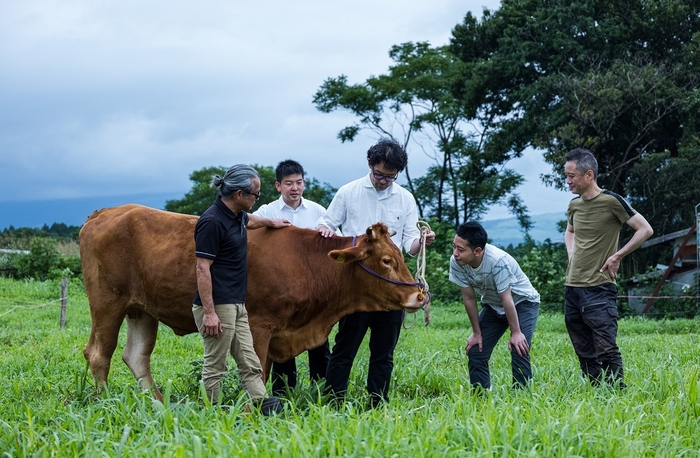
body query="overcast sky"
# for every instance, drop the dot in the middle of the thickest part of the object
(101, 98)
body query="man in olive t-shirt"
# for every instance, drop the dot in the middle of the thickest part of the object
(594, 222)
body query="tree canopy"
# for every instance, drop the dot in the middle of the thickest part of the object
(533, 77)
(617, 77)
(415, 103)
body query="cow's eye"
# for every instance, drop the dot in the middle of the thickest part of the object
(387, 261)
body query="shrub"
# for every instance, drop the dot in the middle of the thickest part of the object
(44, 262)
(43, 257)
(70, 265)
(7, 265)
(684, 305)
(545, 266)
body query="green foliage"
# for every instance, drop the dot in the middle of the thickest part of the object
(558, 75)
(416, 98)
(670, 307)
(69, 267)
(322, 194)
(20, 238)
(190, 386)
(659, 186)
(202, 194)
(545, 266)
(44, 261)
(7, 265)
(41, 261)
(674, 300)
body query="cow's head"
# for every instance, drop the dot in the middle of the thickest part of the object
(387, 275)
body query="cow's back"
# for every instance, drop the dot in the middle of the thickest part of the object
(290, 267)
(137, 258)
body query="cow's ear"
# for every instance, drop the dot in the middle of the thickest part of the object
(347, 255)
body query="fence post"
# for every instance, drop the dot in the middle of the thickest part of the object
(64, 300)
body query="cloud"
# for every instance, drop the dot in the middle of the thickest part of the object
(122, 97)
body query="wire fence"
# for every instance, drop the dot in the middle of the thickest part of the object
(62, 302)
(28, 307)
(658, 297)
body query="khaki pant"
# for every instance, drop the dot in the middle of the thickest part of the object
(235, 338)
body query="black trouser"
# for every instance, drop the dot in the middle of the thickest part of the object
(493, 326)
(318, 363)
(591, 316)
(385, 328)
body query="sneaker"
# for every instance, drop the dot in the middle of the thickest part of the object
(271, 406)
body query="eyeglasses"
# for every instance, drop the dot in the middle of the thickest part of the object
(256, 194)
(381, 176)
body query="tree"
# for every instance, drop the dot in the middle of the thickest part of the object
(414, 103)
(618, 77)
(621, 113)
(663, 188)
(203, 194)
(320, 193)
(20, 238)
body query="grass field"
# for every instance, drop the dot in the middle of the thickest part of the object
(50, 408)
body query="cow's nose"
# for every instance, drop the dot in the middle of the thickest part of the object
(423, 296)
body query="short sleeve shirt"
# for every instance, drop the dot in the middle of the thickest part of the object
(498, 271)
(597, 223)
(221, 235)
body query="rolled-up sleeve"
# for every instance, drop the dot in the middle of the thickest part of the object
(410, 229)
(336, 213)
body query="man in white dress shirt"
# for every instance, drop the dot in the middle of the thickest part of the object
(301, 213)
(356, 206)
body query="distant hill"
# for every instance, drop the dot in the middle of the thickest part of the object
(72, 212)
(503, 232)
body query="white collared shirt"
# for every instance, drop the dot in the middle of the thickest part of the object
(305, 215)
(357, 206)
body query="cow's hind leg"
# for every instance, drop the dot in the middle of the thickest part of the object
(100, 347)
(142, 330)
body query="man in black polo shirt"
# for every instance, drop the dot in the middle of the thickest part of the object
(221, 248)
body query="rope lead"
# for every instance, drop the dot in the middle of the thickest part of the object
(424, 228)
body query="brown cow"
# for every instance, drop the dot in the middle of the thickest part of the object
(139, 263)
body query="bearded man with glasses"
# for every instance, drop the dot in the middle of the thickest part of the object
(355, 207)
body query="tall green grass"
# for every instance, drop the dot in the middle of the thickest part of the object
(49, 406)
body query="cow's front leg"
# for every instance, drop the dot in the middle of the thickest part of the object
(267, 367)
(142, 330)
(261, 343)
